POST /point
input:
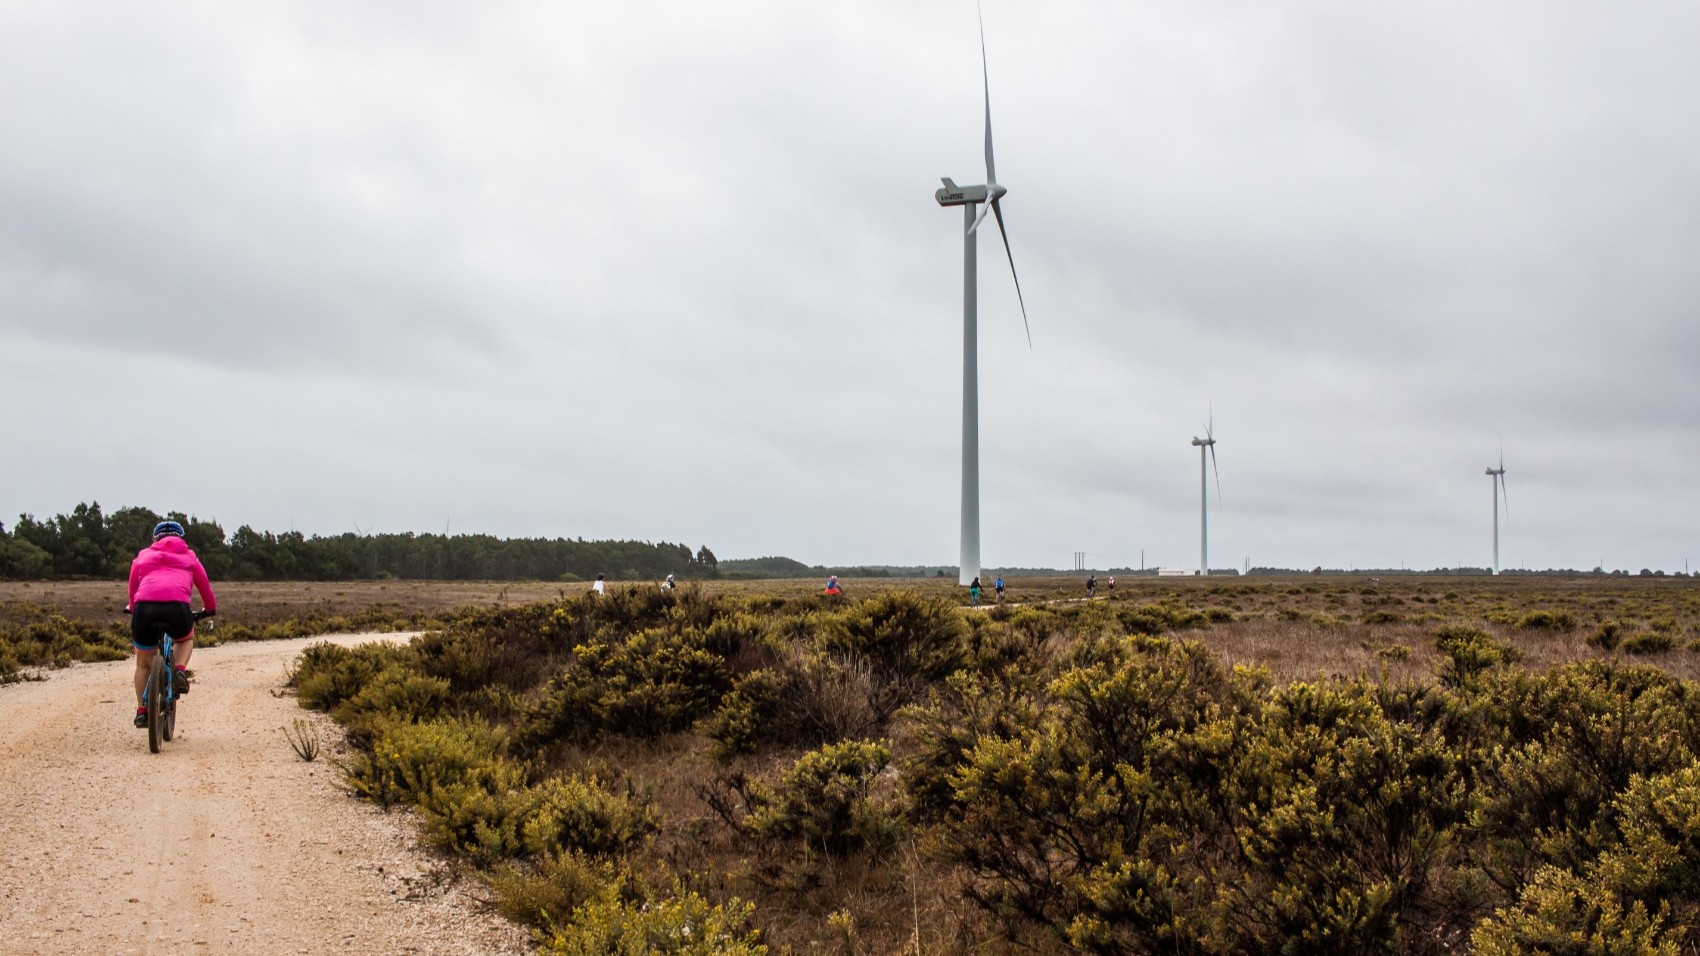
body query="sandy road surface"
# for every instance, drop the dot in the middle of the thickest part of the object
(265, 854)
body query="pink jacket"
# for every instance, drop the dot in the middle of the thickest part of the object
(166, 571)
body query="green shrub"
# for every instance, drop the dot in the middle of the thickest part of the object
(728, 635)
(327, 674)
(480, 815)
(1562, 913)
(1346, 817)
(49, 639)
(545, 894)
(394, 694)
(1160, 618)
(408, 760)
(1640, 895)
(1384, 617)
(904, 638)
(569, 814)
(683, 924)
(642, 685)
(826, 801)
(771, 706)
(1547, 620)
(1066, 806)
(1607, 636)
(1565, 745)
(1649, 642)
(1470, 652)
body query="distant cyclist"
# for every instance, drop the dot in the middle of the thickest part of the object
(160, 580)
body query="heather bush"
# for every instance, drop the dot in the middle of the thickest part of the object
(1607, 636)
(327, 674)
(612, 924)
(644, 684)
(566, 813)
(49, 639)
(1070, 815)
(1470, 652)
(1649, 642)
(826, 801)
(1547, 620)
(907, 641)
(1566, 745)
(1345, 817)
(544, 893)
(410, 760)
(394, 694)
(1640, 896)
(1159, 618)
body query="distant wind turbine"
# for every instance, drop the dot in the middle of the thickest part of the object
(1498, 476)
(968, 197)
(1207, 443)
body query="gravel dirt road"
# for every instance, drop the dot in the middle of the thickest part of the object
(225, 842)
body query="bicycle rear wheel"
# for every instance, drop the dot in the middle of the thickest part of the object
(155, 696)
(170, 714)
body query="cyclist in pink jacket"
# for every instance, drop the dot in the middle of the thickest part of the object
(160, 580)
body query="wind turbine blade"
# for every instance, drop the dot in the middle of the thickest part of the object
(986, 84)
(984, 208)
(1504, 496)
(1217, 472)
(998, 211)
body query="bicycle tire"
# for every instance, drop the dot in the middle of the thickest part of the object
(170, 717)
(156, 704)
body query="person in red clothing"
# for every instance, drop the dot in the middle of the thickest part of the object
(160, 580)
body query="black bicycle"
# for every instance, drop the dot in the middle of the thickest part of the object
(160, 693)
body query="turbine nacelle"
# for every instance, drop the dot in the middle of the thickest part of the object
(954, 195)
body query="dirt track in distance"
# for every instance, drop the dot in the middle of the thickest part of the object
(225, 842)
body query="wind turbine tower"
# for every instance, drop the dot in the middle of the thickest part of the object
(968, 197)
(1498, 476)
(1206, 444)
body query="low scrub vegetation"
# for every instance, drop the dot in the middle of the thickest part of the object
(681, 772)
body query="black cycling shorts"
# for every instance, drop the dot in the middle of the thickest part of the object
(148, 618)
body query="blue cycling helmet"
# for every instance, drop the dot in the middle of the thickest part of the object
(167, 527)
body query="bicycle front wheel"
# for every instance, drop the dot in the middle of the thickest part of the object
(155, 695)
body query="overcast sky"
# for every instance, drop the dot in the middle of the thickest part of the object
(674, 271)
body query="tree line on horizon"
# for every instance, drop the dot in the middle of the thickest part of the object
(90, 543)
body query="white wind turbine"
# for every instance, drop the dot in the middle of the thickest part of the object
(1206, 444)
(968, 197)
(1498, 476)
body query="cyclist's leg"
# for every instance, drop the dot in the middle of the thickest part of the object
(146, 620)
(183, 642)
(144, 660)
(184, 636)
